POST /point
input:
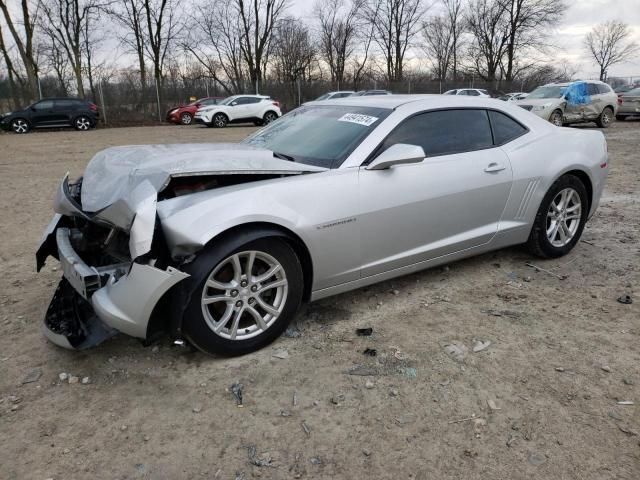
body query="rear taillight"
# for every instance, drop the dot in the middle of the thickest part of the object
(93, 107)
(619, 99)
(276, 103)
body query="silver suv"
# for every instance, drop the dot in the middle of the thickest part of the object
(574, 102)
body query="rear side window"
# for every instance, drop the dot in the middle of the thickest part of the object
(472, 93)
(444, 132)
(505, 128)
(592, 89)
(67, 104)
(602, 88)
(44, 105)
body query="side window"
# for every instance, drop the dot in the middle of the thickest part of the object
(44, 105)
(66, 104)
(240, 101)
(602, 88)
(505, 128)
(592, 89)
(439, 132)
(253, 100)
(209, 101)
(472, 93)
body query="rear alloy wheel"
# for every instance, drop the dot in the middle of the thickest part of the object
(186, 119)
(560, 219)
(82, 123)
(219, 120)
(20, 126)
(605, 118)
(245, 298)
(269, 117)
(556, 118)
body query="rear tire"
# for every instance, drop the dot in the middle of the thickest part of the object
(269, 117)
(605, 118)
(561, 218)
(20, 126)
(225, 295)
(82, 123)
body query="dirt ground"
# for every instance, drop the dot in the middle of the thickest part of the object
(563, 354)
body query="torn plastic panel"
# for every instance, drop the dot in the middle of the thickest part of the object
(577, 94)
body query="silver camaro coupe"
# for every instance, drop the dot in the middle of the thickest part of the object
(219, 244)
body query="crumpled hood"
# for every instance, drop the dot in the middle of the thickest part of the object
(120, 184)
(116, 172)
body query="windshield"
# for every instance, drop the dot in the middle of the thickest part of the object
(547, 92)
(227, 100)
(319, 135)
(200, 100)
(323, 97)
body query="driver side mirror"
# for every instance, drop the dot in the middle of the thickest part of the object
(233, 104)
(398, 154)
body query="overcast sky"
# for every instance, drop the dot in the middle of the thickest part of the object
(581, 16)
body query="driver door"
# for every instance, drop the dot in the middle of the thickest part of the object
(451, 201)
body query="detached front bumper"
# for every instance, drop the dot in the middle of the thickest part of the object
(91, 304)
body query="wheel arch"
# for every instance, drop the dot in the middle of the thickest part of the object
(586, 181)
(169, 310)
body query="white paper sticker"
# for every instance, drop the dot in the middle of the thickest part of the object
(358, 118)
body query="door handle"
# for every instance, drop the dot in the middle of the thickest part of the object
(494, 167)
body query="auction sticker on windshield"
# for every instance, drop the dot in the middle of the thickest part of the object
(358, 118)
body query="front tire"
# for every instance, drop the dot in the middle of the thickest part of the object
(560, 219)
(186, 119)
(605, 118)
(242, 298)
(82, 123)
(20, 126)
(556, 118)
(219, 120)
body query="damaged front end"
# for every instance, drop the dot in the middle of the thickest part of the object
(118, 260)
(113, 273)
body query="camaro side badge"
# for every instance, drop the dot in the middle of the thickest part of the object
(336, 223)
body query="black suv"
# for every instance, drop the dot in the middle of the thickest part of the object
(52, 112)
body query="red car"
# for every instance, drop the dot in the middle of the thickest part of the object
(183, 115)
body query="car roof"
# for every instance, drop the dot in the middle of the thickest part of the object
(62, 98)
(428, 100)
(250, 95)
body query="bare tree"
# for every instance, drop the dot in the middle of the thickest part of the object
(55, 59)
(455, 16)
(258, 19)
(293, 52)
(12, 75)
(437, 37)
(528, 25)
(67, 24)
(215, 45)
(22, 33)
(396, 24)
(338, 32)
(161, 27)
(129, 15)
(487, 21)
(609, 43)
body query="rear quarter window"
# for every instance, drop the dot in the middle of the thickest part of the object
(505, 128)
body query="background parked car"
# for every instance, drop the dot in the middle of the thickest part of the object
(630, 104)
(184, 114)
(52, 113)
(366, 93)
(259, 109)
(334, 95)
(575, 102)
(471, 92)
(512, 97)
(624, 88)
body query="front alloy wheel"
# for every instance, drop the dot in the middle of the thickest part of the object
(556, 118)
(244, 295)
(186, 119)
(20, 126)
(219, 120)
(239, 299)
